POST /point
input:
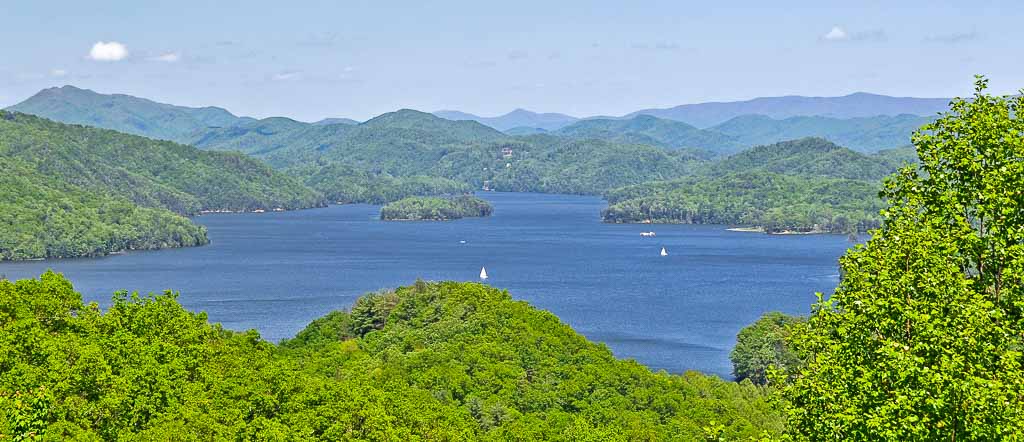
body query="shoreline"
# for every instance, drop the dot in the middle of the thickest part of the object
(746, 229)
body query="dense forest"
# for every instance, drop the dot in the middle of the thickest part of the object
(77, 191)
(806, 185)
(344, 184)
(44, 217)
(421, 208)
(653, 131)
(433, 361)
(774, 202)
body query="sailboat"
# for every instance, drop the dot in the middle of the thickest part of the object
(483, 273)
(663, 252)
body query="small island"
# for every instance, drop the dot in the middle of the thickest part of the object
(422, 208)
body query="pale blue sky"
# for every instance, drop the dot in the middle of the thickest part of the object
(310, 60)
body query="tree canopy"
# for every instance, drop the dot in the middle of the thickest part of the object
(436, 209)
(922, 340)
(432, 361)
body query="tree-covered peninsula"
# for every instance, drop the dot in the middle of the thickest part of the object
(70, 191)
(799, 186)
(774, 202)
(432, 361)
(420, 208)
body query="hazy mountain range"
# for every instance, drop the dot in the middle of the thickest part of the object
(855, 105)
(706, 115)
(841, 120)
(514, 119)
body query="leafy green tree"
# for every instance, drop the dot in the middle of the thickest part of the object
(762, 346)
(923, 338)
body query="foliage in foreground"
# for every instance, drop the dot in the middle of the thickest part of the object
(923, 338)
(434, 361)
(763, 347)
(436, 209)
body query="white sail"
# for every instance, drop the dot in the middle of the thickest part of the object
(483, 273)
(663, 252)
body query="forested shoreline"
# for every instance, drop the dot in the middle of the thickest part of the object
(74, 191)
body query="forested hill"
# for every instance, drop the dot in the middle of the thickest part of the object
(151, 173)
(433, 361)
(806, 185)
(124, 113)
(812, 157)
(71, 190)
(407, 153)
(410, 153)
(46, 217)
(645, 129)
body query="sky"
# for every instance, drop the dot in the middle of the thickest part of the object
(314, 59)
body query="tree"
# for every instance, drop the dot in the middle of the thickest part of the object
(922, 339)
(762, 345)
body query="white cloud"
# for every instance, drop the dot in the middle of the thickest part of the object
(58, 72)
(108, 51)
(836, 33)
(167, 57)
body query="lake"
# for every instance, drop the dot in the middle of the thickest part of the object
(276, 272)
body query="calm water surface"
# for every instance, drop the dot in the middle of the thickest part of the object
(276, 272)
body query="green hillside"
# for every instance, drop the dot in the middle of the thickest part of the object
(408, 153)
(71, 190)
(151, 173)
(645, 129)
(805, 185)
(433, 361)
(123, 113)
(775, 202)
(259, 137)
(809, 157)
(343, 184)
(865, 134)
(45, 217)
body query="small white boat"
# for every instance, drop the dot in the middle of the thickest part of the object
(462, 242)
(483, 273)
(648, 234)
(663, 252)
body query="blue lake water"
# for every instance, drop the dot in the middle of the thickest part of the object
(276, 272)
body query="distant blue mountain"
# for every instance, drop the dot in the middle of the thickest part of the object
(857, 105)
(865, 134)
(514, 119)
(329, 121)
